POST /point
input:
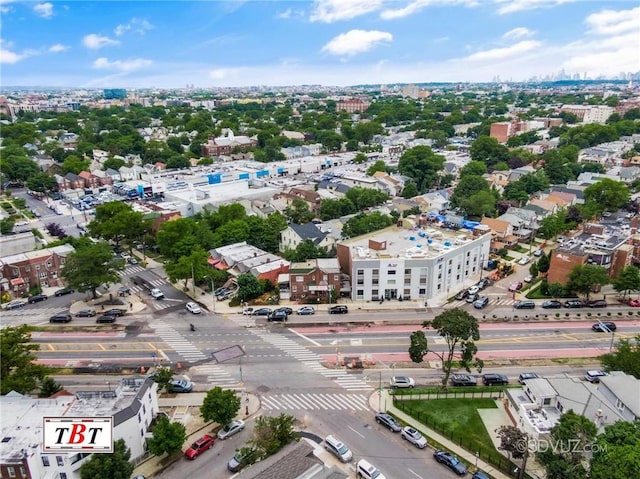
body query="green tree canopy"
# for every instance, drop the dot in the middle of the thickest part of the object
(41, 183)
(379, 165)
(628, 280)
(15, 165)
(489, 151)
(365, 223)
(117, 221)
(617, 451)
(625, 357)
(74, 164)
(194, 265)
(168, 437)
(473, 168)
(109, 466)
(91, 266)
(248, 287)
(298, 211)
(19, 373)
(583, 278)
(272, 433)
(410, 190)
(422, 165)
(608, 195)
(220, 405)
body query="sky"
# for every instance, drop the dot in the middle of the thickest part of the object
(170, 44)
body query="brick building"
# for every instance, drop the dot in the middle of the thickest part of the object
(352, 106)
(314, 279)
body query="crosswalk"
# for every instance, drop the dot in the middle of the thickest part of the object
(494, 301)
(215, 375)
(314, 402)
(176, 341)
(313, 361)
(131, 269)
(28, 316)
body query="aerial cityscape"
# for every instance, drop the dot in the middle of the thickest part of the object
(326, 239)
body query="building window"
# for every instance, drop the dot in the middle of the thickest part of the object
(15, 272)
(42, 275)
(45, 461)
(375, 271)
(407, 292)
(141, 433)
(54, 274)
(374, 293)
(37, 267)
(546, 401)
(27, 269)
(391, 281)
(139, 418)
(63, 475)
(48, 264)
(60, 460)
(299, 279)
(375, 281)
(360, 292)
(360, 281)
(324, 277)
(144, 409)
(407, 271)
(422, 291)
(391, 272)
(360, 272)
(11, 471)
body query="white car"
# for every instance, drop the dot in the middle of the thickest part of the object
(528, 279)
(194, 308)
(402, 382)
(414, 437)
(22, 223)
(524, 260)
(230, 429)
(474, 289)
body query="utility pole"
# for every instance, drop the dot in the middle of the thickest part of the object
(193, 281)
(213, 295)
(380, 392)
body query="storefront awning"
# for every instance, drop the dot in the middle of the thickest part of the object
(17, 281)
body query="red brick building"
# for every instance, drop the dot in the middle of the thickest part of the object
(314, 279)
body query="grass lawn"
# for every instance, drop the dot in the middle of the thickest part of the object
(457, 419)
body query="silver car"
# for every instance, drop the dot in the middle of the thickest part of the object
(414, 437)
(230, 429)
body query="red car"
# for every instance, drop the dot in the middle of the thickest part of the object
(198, 447)
(635, 303)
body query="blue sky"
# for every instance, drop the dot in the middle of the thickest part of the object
(330, 42)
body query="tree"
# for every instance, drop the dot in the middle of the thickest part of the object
(362, 158)
(513, 440)
(482, 203)
(556, 290)
(74, 164)
(544, 263)
(627, 280)
(113, 163)
(109, 466)
(55, 229)
(467, 187)
(41, 183)
(15, 165)
(363, 224)
(533, 270)
(473, 168)
(168, 437)
(460, 330)
(6, 225)
(193, 266)
(117, 221)
(379, 165)
(220, 405)
(418, 346)
(583, 278)
(248, 287)
(272, 433)
(607, 194)
(48, 387)
(163, 376)
(298, 212)
(91, 266)
(488, 150)
(626, 357)
(410, 190)
(422, 165)
(18, 371)
(616, 453)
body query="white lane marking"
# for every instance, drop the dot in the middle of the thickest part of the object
(356, 432)
(417, 475)
(305, 338)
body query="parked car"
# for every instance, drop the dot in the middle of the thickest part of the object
(594, 375)
(132, 260)
(387, 421)
(574, 303)
(114, 312)
(462, 294)
(285, 310)
(528, 278)
(537, 253)
(63, 291)
(402, 382)
(193, 308)
(472, 298)
(336, 447)
(60, 318)
(481, 303)
(180, 386)
(241, 459)
(37, 298)
(597, 303)
(198, 447)
(277, 315)
(634, 303)
(86, 313)
(483, 283)
(525, 305)
(524, 260)
(480, 475)
(463, 380)
(451, 461)
(261, 312)
(366, 470)
(230, 429)
(495, 379)
(306, 310)
(474, 290)
(552, 304)
(414, 437)
(338, 309)
(604, 326)
(15, 304)
(516, 286)
(526, 376)
(106, 319)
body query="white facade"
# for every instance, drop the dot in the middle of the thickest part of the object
(133, 405)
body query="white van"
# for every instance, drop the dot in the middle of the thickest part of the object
(337, 448)
(367, 470)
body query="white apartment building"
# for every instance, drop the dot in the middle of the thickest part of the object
(133, 404)
(590, 113)
(418, 263)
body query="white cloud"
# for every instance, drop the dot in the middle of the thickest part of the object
(512, 6)
(122, 65)
(520, 32)
(329, 11)
(356, 41)
(121, 29)
(611, 22)
(138, 25)
(45, 10)
(286, 14)
(5, 7)
(418, 5)
(95, 41)
(225, 73)
(8, 55)
(58, 48)
(497, 54)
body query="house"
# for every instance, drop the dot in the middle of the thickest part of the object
(114, 175)
(497, 179)
(545, 207)
(100, 156)
(133, 405)
(40, 267)
(90, 181)
(312, 198)
(44, 162)
(436, 201)
(295, 234)
(241, 258)
(518, 224)
(103, 178)
(391, 185)
(501, 233)
(314, 279)
(68, 141)
(226, 144)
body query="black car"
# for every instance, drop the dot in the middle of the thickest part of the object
(463, 380)
(451, 461)
(604, 327)
(86, 313)
(261, 312)
(388, 422)
(552, 304)
(598, 303)
(526, 376)
(525, 305)
(462, 294)
(483, 283)
(114, 312)
(106, 319)
(338, 309)
(37, 298)
(63, 291)
(495, 379)
(60, 318)
(285, 309)
(277, 316)
(574, 303)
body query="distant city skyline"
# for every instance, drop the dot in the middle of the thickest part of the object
(240, 43)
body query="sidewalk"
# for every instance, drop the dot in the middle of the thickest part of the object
(185, 408)
(384, 398)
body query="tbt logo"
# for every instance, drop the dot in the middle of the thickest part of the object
(72, 434)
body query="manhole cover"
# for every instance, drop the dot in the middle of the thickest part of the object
(263, 389)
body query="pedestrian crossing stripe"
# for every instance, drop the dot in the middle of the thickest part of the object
(311, 402)
(497, 302)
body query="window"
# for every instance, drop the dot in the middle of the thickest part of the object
(360, 272)
(407, 292)
(407, 271)
(299, 279)
(60, 460)
(63, 475)
(546, 401)
(391, 272)
(375, 271)
(144, 409)
(422, 291)
(27, 269)
(45, 461)
(619, 405)
(11, 471)
(141, 433)
(48, 264)
(324, 277)
(37, 267)
(139, 418)
(360, 292)
(374, 293)
(43, 275)
(360, 281)
(375, 281)
(391, 281)
(458, 277)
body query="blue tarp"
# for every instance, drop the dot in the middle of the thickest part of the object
(214, 178)
(243, 176)
(470, 224)
(262, 173)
